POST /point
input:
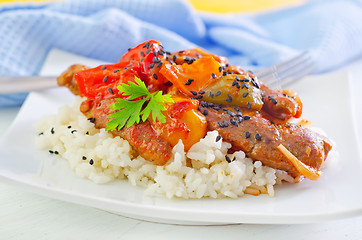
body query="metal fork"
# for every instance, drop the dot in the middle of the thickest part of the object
(279, 75)
(287, 72)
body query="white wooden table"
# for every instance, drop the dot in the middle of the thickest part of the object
(25, 215)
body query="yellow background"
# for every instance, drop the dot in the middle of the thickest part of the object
(220, 6)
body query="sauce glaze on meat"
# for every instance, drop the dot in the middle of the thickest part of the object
(248, 114)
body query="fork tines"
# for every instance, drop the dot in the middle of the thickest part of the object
(287, 72)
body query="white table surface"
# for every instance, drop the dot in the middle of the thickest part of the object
(25, 215)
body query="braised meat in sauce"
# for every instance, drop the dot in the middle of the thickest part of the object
(208, 94)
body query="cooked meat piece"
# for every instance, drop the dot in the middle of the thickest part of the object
(67, 78)
(251, 131)
(142, 137)
(259, 138)
(278, 104)
(147, 142)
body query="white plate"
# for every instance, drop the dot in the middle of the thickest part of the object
(337, 194)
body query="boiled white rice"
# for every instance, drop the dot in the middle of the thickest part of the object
(75, 139)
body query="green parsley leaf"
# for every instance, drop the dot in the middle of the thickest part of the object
(135, 90)
(128, 112)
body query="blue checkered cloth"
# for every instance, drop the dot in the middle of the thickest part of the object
(104, 29)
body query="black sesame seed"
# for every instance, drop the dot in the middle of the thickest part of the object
(244, 85)
(224, 73)
(217, 108)
(246, 117)
(73, 131)
(199, 96)
(234, 122)
(125, 68)
(237, 109)
(159, 64)
(237, 78)
(217, 93)
(151, 65)
(248, 105)
(211, 94)
(205, 112)
(272, 122)
(146, 45)
(193, 93)
(229, 100)
(168, 53)
(213, 75)
(52, 131)
(41, 134)
(116, 71)
(230, 97)
(155, 76)
(161, 52)
(225, 123)
(156, 60)
(274, 101)
(255, 83)
(91, 162)
(155, 53)
(174, 58)
(220, 69)
(103, 67)
(203, 104)
(181, 51)
(187, 59)
(142, 54)
(244, 80)
(105, 79)
(84, 158)
(202, 92)
(220, 124)
(148, 51)
(142, 59)
(50, 151)
(129, 49)
(92, 120)
(189, 81)
(218, 138)
(56, 152)
(227, 158)
(69, 126)
(87, 133)
(258, 136)
(168, 84)
(191, 61)
(110, 90)
(247, 134)
(232, 114)
(245, 94)
(226, 65)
